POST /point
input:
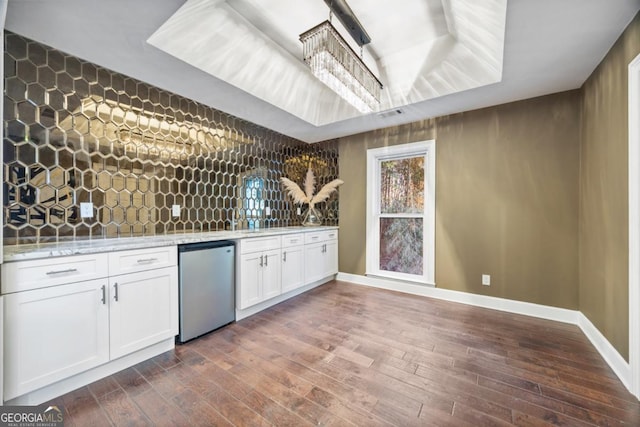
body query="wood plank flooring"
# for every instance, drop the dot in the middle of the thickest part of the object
(344, 355)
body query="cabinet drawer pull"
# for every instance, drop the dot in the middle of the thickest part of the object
(284, 256)
(293, 240)
(261, 260)
(68, 270)
(266, 260)
(115, 288)
(147, 260)
(104, 294)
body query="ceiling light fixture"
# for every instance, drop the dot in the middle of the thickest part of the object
(335, 64)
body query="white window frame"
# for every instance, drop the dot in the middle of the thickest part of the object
(374, 158)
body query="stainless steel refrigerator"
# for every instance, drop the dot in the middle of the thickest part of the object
(207, 287)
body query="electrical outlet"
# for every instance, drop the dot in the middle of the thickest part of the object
(298, 210)
(175, 210)
(486, 280)
(86, 210)
(267, 211)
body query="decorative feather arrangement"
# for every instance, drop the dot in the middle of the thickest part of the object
(326, 191)
(294, 191)
(309, 185)
(307, 196)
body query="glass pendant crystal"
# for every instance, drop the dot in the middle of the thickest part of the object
(336, 65)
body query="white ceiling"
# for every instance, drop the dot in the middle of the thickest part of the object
(436, 47)
(435, 57)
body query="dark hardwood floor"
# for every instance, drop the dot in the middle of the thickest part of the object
(349, 355)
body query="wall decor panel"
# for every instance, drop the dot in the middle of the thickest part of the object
(75, 132)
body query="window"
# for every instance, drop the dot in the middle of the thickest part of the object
(401, 212)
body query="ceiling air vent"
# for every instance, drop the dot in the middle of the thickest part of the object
(390, 113)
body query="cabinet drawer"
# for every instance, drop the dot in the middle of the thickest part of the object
(125, 262)
(41, 273)
(289, 240)
(258, 244)
(320, 236)
(331, 235)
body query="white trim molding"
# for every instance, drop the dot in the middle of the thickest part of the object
(375, 156)
(634, 225)
(574, 317)
(606, 350)
(518, 307)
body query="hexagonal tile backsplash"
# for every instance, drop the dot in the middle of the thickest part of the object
(75, 132)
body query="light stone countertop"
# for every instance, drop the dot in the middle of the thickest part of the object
(80, 247)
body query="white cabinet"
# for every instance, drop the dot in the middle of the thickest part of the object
(56, 329)
(259, 271)
(144, 301)
(144, 309)
(53, 333)
(292, 262)
(271, 275)
(269, 267)
(321, 255)
(250, 280)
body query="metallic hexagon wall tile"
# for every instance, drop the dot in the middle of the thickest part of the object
(76, 132)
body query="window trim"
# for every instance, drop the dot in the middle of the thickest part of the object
(374, 157)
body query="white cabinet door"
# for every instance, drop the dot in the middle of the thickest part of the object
(271, 275)
(321, 260)
(260, 277)
(54, 333)
(292, 268)
(331, 258)
(250, 283)
(144, 309)
(314, 262)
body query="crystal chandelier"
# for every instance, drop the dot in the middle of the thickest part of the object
(335, 64)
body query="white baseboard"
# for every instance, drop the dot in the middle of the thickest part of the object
(574, 317)
(607, 351)
(526, 308)
(80, 380)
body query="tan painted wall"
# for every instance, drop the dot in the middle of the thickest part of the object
(604, 260)
(506, 198)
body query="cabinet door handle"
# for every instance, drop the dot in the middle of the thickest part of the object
(104, 294)
(147, 260)
(284, 256)
(115, 288)
(68, 270)
(266, 260)
(261, 260)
